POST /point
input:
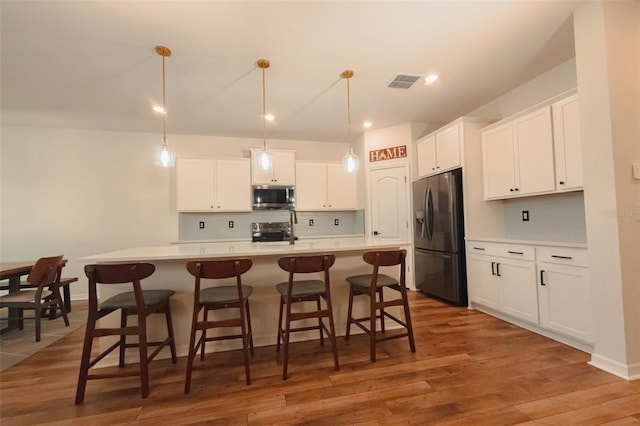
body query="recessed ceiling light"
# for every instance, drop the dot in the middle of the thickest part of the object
(430, 78)
(367, 124)
(159, 109)
(269, 117)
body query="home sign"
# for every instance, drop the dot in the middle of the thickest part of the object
(388, 153)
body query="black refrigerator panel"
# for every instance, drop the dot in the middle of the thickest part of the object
(437, 204)
(442, 275)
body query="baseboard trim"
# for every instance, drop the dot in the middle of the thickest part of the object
(625, 371)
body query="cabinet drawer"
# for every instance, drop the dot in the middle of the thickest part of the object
(511, 251)
(563, 255)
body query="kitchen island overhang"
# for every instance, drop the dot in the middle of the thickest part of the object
(171, 273)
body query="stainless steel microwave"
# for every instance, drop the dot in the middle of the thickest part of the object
(273, 197)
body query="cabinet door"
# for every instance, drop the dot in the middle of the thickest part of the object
(282, 173)
(484, 287)
(565, 300)
(534, 148)
(311, 186)
(233, 185)
(259, 176)
(284, 168)
(448, 148)
(195, 183)
(519, 288)
(498, 162)
(342, 188)
(567, 144)
(426, 156)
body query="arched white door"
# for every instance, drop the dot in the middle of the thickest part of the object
(389, 203)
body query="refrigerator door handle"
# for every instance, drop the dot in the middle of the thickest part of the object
(420, 220)
(429, 212)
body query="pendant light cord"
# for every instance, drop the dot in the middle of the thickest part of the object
(164, 108)
(349, 113)
(264, 114)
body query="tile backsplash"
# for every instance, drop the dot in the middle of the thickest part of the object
(217, 225)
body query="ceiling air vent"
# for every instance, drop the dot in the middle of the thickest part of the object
(403, 81)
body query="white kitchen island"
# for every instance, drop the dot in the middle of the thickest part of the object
(171, 274)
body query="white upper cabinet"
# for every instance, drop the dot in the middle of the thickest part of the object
(282, 173)
(536, 153)
(209, 185)
(568, 145)
(439, 151)
(518, 156)
(325, 186)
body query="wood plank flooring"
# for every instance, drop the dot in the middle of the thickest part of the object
(469, 368)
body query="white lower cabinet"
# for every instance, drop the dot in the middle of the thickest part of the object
(564, 293)
(502, 277)
(544, 286)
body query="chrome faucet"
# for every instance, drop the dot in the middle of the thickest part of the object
(293, 218)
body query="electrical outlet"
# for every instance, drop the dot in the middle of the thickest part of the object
(310, 222)
(201, 225)
(231, 224)
(336, 222)
(525, 215)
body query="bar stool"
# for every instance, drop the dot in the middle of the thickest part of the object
(293, 291)
(136, 302)
(373, 284)
(215, 298)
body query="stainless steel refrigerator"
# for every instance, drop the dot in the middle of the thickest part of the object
(440, 265)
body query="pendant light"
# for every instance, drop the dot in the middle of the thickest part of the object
(164, 156)
(265, 159)
(350, 161)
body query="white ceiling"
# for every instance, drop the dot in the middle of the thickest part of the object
(92, 64)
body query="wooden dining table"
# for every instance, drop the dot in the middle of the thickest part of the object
(13, 271)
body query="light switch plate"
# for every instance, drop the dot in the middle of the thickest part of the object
(636, 170)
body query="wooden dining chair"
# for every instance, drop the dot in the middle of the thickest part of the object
(295, 291)
(373, 285)
(41, 294)
(137, 302)
(216, 298)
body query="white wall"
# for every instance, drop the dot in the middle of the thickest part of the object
(80, 192)
(608, 65)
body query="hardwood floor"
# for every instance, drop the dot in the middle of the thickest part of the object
(469, 368)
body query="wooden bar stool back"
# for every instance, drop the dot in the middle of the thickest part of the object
(39, 293)
(373, 285)
(137, 302)
(293, 291)
(215, 298)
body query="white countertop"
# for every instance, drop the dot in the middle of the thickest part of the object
(242, 249)
(528, 242)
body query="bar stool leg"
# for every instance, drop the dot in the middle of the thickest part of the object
(86, 358)
(144, 357)
(172, 344)
(349, 313)
(286, 340)
(332, 328)
(280, 336)
(319, 307)
(249, 326)
(123, 337)
(372, 324)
